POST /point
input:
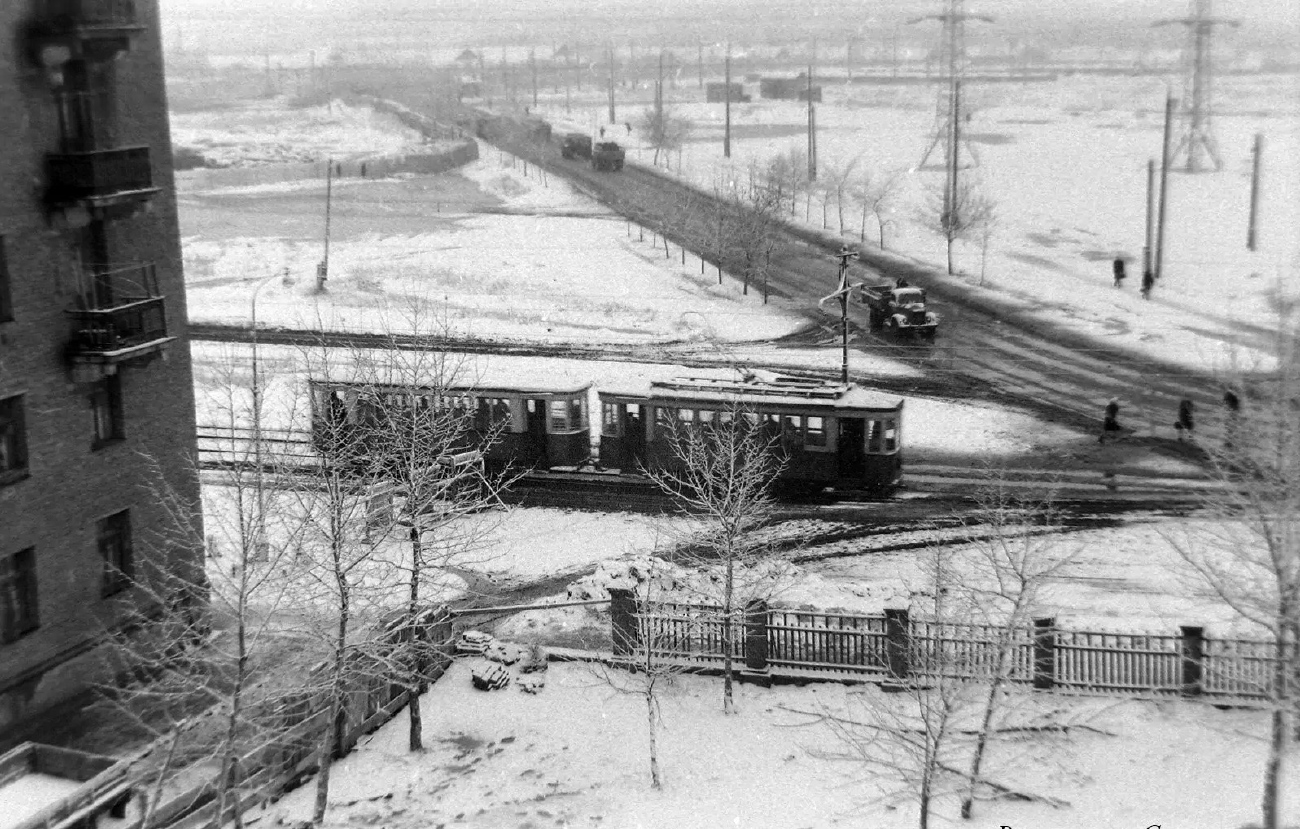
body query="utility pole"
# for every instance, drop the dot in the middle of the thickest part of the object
(323, 269)
(1170, 102)
(956, 142)
(1256, 153)
(1198, 82)
(812, 128)
(659, 91)
(726, 130)
(532, 64)
(953, 56)
(846, 255)
(848, 59)
(700, 63)
(1150, 225)
(611, 83)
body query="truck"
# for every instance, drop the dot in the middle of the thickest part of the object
(575, 145)
(900, 309)
(607, 156)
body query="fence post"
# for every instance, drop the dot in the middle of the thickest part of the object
(622, 613)
(897, 656)
(1193, 648)
(1045, 653)
(756, 635)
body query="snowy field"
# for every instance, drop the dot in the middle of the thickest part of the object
(272, 131)
(1065, 162)
(575, 755)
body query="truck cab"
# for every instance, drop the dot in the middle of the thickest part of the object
(607, 156)
(575, 145)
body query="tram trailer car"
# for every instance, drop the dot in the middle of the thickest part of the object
(540, 427)
(831, 434)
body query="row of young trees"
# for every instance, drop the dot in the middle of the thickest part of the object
(320, 576)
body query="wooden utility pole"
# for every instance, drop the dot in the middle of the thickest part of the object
(532, 64)
(812, 129)
(1256, 154)
(848, 59)
(956, 138)
(726, 130)
(1150, 225)
(611, 83)
(1164, 187)
(700, 64)
(659, 91)
(323, 269)
(846, 255)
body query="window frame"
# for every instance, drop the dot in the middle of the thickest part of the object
(18, 581)
(13, 433)
(113, 542)
(109, 392)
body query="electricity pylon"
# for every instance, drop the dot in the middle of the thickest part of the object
(1197, 140)
(952, 56)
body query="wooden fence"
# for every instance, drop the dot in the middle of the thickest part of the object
(896, 647)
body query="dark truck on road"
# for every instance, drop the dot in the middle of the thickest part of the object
(575, 145)
(900, 309)
(607, 156)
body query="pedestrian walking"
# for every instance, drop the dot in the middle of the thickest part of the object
(1148, 279)
(1233, 405)
(1117, 268)
(1185, 423)
(1110, 423)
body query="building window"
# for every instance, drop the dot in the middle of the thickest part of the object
(13, 440)
(6, 298)
(114, 541)
(18, 595)
(106, 408)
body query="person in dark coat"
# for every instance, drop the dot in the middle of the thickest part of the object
(1117, 267)
(1185, 423)
(1110, 423)
(1233, 405)
(1148, 279)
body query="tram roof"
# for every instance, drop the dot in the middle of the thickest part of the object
(479, 390)
(760, 389)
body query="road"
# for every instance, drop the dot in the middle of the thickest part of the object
(983, 349)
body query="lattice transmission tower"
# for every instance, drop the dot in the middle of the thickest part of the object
(953, 59)
(1196, 113)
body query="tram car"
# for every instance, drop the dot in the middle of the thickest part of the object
(830, 434)
(539, 427)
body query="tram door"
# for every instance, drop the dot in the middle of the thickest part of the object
(852, 448)
(634, 435)
(536, 441)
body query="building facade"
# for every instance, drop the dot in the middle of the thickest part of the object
(96, 395)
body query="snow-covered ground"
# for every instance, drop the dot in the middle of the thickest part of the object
(271, 131)
(576, 755)
(1066, 164)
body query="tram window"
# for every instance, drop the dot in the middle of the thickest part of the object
(791, 424)
(686, 415)
(559, 415)
(532, 407)
(875, 435)
(611, 421)
(724, 416)
(706, 416)
(814, 432)
(664, 417)
(578, 413)
(751, 417)
(891, 435)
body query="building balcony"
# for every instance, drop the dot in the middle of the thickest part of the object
(100, 179)
(94, 30)
(127, 322)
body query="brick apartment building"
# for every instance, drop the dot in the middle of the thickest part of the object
(94, 363)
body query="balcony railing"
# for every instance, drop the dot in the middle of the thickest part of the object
(120, 331)
(101, 176)
(126, 318)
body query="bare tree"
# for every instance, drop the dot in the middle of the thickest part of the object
(1247, 548)
(959, 217)
(875, 192)
(837, 181)
(722, 472)
(664, 131)
(1017, 554)
(987, 228)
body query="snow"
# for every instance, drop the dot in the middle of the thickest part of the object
(575, 755)
(273, 131)
(24, 796)
(1065, 162)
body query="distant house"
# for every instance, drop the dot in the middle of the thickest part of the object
(716, 93)
(788, 89)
